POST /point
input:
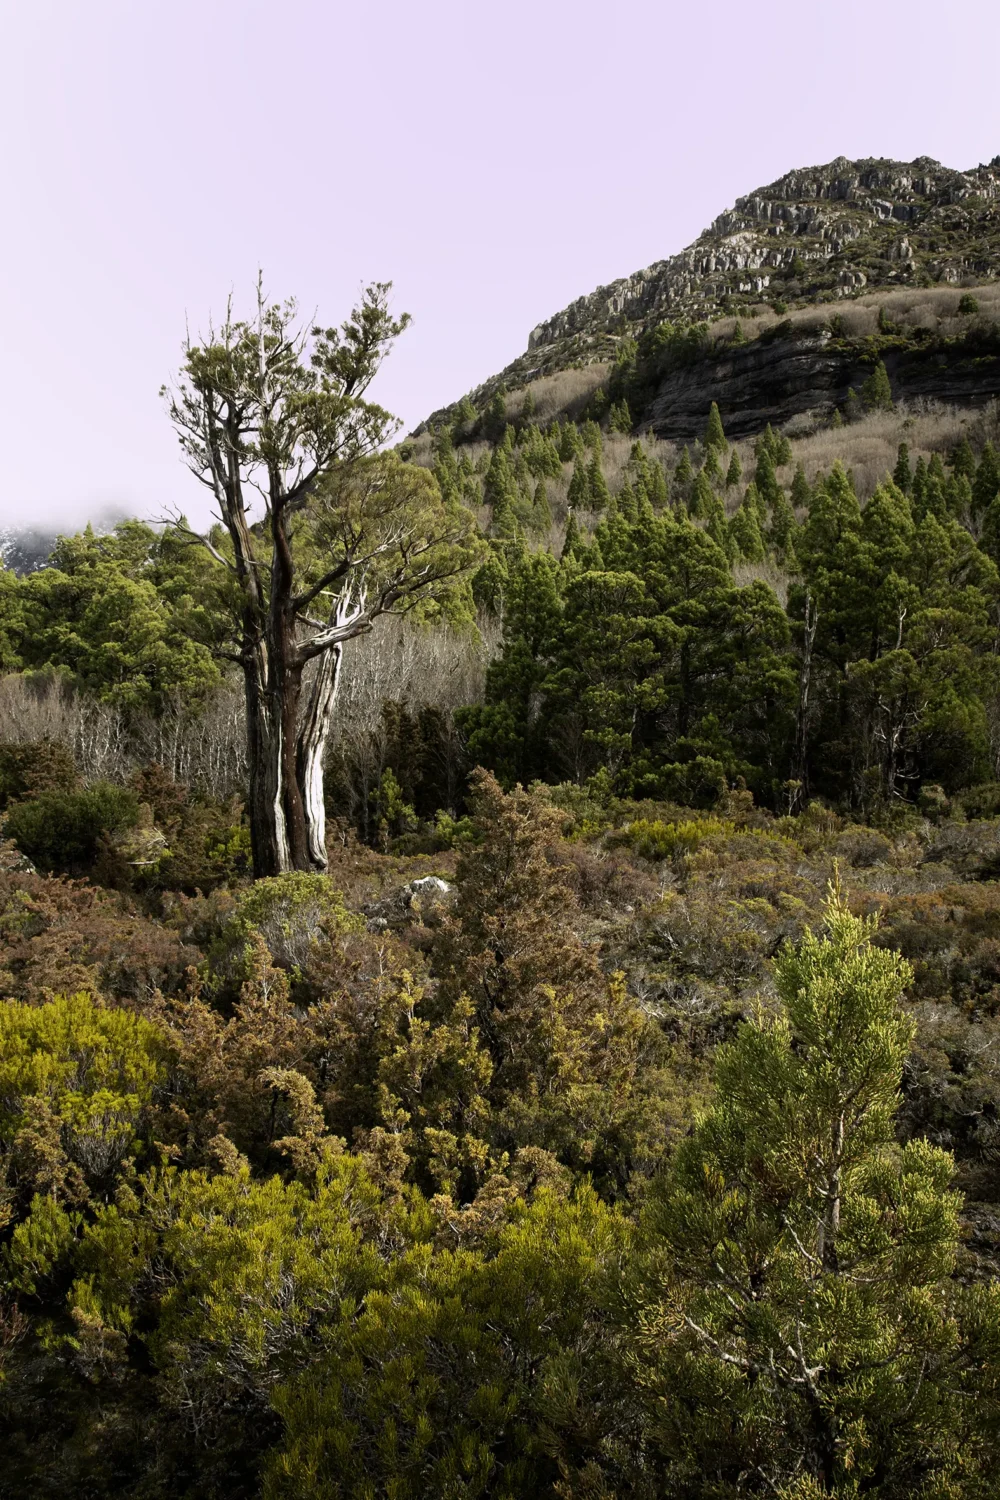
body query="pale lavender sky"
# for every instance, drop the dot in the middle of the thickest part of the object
(493, 160)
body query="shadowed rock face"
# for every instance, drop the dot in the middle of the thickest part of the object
(820, 230)
(762, 382)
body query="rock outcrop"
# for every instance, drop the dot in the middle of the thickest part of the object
(830, 230)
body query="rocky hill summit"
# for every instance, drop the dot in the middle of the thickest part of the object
(780, 308)
(816, 233)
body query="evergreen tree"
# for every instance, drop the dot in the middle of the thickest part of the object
(782, 530)
(765, 479)
(579, 488)
(570, 443)
(590, 435)
(798, 1320)
(986, 486)
(744, 529)
(714, 436)
(702, 497)
(735, 471)
(620, 418)
(711, 465)
(597, 485)
(752, 497)
(572, 539)
(495, 419)
(541, 511)
(963, 463)
(800, 489)
(657, 486)
(684, 470)
(902, 475)
(876, 393)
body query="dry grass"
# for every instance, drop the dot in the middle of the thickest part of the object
(934, 308)
(869, 446)
(564, 394)
(769, 571)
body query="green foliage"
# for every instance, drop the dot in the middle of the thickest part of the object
(289, 912)
(714, 436)
(62, 830)
(28, 767)
(76, 1082)
(620, 418)
(876, 393)
(797, 1262)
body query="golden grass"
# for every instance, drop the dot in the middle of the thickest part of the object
(935, 308)
(563, 394)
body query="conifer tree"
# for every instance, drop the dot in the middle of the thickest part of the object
(597, 485)
(797, 1318)
(702, 497)
(714, 436)
(684, 471)
(963, 463)
(876, 393)
(570, 443)
(590, 435)
(657, 486)
(620, 418)
(572, 538)
(765, 478)
(902, 475)
(744, 529)
(711, 466)
(752, 497)
(735, 471)
(541, 511)
(800, 489)
(919, 483)
(579, 489)
(496, 416)
(986, 485)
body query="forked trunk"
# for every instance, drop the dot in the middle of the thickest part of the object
(287, 748)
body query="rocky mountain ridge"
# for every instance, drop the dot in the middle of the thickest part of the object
(818, 232)
(817, 237)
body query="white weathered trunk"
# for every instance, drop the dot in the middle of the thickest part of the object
(313, 736)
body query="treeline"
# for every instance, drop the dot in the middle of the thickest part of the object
(655, 649)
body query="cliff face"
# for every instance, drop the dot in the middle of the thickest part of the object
(774, 381)
(815, 233)
(816, 239)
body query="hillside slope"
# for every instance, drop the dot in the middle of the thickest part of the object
(818, 237)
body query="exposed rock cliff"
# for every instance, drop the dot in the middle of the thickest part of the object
(823, 230)
(816, 236)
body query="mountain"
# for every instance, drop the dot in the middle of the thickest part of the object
(25, 550)
(819, 237)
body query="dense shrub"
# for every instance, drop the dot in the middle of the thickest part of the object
(61, 830)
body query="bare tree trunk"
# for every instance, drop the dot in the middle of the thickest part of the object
(265, 807)
(311, 752)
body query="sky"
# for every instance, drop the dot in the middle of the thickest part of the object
(493, 161)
